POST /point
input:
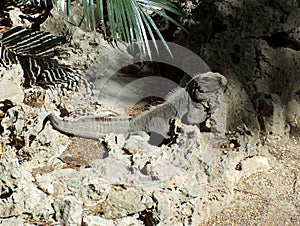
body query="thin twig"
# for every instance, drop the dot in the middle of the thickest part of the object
(295, 184)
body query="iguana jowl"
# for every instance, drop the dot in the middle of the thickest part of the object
(177, 104)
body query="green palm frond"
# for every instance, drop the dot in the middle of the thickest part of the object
(132, 21)
(129, 20)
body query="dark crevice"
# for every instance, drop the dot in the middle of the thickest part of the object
(5, 192)
(31, 139)
(281, 40)
(5, 105)
(146, 216)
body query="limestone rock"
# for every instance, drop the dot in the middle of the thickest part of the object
(69, 210)
(10, 84)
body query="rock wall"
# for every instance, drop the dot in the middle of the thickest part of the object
(256, 45)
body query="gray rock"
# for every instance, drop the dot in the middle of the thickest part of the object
(10, 84)
(18, 221)
(293, 113)
(69, 211)
(96, 221)
(20, 195)
(254, 43)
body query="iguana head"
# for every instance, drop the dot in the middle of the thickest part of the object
(204, 91)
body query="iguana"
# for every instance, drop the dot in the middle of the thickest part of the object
(178, 104)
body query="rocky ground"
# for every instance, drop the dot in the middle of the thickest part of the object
(251, 177)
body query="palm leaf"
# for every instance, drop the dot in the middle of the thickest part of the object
(129, 20)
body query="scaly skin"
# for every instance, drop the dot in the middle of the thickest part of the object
(153, 120)
(156, 119)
